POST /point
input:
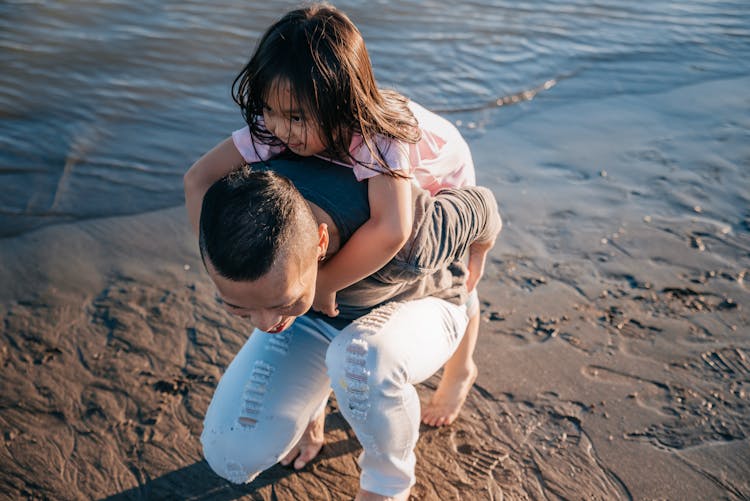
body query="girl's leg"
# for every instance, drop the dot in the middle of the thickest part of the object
(373, 365)
(266, 399)
(459, 375)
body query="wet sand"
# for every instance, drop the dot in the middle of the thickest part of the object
(614, 355)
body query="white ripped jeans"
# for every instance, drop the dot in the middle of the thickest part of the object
(278, 383)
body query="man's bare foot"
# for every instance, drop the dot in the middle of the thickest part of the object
(309, 444)
(363, 495)
(450, 396)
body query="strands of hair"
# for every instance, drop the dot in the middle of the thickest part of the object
(322, 55)
(249, 219)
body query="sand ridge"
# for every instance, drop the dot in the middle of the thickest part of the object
(104, 396)
(613, 350)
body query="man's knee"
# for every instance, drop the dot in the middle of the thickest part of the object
(243, 451)
(229, 457)
(361, 371)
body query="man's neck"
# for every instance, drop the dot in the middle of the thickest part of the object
(321, 216)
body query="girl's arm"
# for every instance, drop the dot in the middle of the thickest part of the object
(373, 244)
(211, 167)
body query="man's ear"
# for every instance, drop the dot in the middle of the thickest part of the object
(322, 241)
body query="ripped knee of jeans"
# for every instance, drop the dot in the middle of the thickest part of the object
(231, 451)
(356, 379)
(253, 394)
(227, 457)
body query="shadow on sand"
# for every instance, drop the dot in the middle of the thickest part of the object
(198, 482)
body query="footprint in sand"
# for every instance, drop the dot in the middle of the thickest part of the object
(480, 461)
(508, 448)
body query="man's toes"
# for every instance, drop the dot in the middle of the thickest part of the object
(305, 456)
(290, 457)
(302, 460)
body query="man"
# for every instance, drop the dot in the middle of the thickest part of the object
(261, 240)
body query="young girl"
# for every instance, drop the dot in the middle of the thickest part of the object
(309, 90)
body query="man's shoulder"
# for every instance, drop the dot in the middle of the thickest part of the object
(331, 187)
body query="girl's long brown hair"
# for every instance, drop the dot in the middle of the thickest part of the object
(323, 57)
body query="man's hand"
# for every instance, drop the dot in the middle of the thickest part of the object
(325, 303)
(477, 257)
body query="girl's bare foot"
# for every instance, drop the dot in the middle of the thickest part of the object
(363, 495)
(450, 396)
(309, 444)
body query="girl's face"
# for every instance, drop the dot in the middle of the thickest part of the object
(285, 119)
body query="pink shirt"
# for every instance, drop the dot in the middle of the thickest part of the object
(441, 159)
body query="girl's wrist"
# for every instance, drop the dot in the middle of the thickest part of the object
(322, 284)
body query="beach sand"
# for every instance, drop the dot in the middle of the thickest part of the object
(614, 355)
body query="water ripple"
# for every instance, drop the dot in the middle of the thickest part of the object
(133, 92)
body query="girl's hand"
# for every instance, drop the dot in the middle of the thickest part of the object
(325, 303)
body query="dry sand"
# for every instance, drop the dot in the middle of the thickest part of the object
(614, 355)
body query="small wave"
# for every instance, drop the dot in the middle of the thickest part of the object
(507, 100)
(40, 214)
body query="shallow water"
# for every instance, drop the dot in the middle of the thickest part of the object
(103, 105)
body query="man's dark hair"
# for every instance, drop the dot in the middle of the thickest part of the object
(248, 219)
